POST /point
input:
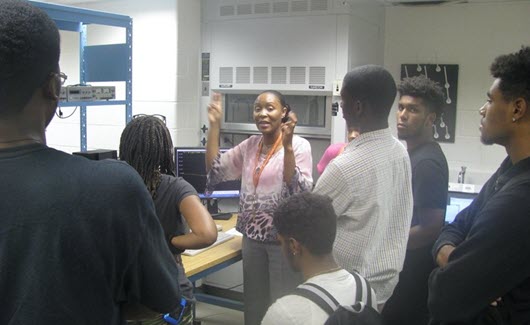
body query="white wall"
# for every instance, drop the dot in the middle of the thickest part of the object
(366, 40)
(470, 35)
(367, 35)
(188, 68)
(166, 45)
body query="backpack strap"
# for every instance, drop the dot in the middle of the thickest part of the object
(362, 286)
(356, 309)
(320, 296)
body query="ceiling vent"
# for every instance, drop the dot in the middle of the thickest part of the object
(420, 2)
(297, 75)
(319, 5)
(242, 75)
(262, 8)
(299, 6)
(280, 7)
(261, 75)
(226, 11)
(279, 75)
(317, 75)
(226, 75)
(244, 9)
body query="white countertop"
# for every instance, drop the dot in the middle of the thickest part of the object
(464, 188)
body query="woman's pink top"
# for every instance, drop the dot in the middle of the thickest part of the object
(257, 205)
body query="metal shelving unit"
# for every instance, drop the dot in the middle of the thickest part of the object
(99, 63)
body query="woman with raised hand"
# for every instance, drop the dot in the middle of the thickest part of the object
(272, 166)
(146, 145)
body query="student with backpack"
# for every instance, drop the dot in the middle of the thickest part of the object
(306, 225)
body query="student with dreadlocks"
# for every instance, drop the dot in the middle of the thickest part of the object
(146, 145)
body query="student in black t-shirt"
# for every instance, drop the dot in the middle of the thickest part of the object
(146, 145)
(79, 239)
(420, 104)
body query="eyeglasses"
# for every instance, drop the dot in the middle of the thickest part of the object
(158, 116)
(62, 76)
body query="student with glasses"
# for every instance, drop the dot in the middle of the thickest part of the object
(62, 77)
(146, 145)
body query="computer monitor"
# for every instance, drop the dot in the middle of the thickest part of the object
(190, 165)
(456, 202)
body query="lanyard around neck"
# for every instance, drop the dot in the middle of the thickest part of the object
(259, 169)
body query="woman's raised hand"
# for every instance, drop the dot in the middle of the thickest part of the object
(288, 130)
(215, 109)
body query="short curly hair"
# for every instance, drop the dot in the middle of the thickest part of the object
(29, 52)
(310, 219)
(513, 70)
(428, 90)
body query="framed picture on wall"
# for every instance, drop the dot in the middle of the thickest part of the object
(446, 75)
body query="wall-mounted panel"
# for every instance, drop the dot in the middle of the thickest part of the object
(106, 62)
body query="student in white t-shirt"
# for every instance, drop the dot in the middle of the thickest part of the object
(306, 226)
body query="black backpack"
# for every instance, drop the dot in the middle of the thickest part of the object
(358, 314)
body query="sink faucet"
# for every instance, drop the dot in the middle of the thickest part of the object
(462, 174)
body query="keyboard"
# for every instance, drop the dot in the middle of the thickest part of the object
(221, 238)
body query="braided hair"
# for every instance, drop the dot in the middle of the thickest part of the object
(146, 145)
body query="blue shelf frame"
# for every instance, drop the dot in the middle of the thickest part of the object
(97, 63)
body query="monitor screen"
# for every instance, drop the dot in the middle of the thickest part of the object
(190, 165)
(456, 202)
